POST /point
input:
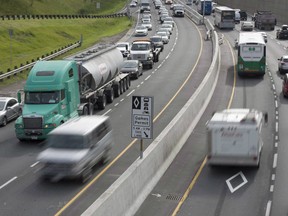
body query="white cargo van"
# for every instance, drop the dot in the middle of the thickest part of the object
(75, 147)
(234, 137)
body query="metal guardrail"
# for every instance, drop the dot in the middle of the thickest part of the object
(30, 65)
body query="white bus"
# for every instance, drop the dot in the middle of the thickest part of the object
(251, 54)
(224, 17)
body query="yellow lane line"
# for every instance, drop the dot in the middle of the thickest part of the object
(133, 142)
(194, 179)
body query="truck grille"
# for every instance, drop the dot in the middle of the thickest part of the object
(138, 56)
(32, 123)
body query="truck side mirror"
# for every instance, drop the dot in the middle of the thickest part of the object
(19, 97)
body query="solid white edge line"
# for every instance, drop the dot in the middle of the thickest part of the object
(34, 164)
(8, 182)
(107, 112)
(268, 208)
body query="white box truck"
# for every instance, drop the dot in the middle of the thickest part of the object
(234, 137)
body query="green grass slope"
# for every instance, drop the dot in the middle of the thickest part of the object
(34, 38)
(12, 7)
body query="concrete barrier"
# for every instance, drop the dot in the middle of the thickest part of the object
(128, 192)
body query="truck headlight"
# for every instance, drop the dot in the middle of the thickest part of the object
(19, 126)
(50, 125)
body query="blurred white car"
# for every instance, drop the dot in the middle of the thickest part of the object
(164, 35)
(141, 31)
(9, 109)
(147, 24)
(167, 26)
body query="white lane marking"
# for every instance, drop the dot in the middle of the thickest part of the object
(107, 112)
(142, 83)
(276, 137)
(275, 160)
(8, 182)
(276, 144)
(271, 188)
(34, 164)
(276, 127)
(273, 177)
(122, 99)
(268, 208)
(130, 93)
(116, 104)
(273, 87)
(276, 104)
(147, 77)
(138, 86)
(240, 185)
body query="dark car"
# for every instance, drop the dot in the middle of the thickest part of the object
(9, 109)
(243, 15)
(157, 42)
(133, 67)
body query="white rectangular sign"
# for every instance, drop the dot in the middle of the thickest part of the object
(142, 117)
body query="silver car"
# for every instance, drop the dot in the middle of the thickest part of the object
(9, 109)
(283, 64)
(141, 31)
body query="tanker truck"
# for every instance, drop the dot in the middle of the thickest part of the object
(58, 90)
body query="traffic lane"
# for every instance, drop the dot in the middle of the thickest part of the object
(275, 49)
(249, 93)
(165, 196)
(60, 194)
(20, 166)
(190, 158)
(162, 89)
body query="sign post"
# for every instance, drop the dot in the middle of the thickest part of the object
(142, 119)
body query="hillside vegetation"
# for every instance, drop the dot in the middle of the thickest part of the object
(13, 7)
(36, 37)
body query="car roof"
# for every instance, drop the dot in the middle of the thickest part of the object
(6, 98)
(80, 125)
(285, 56)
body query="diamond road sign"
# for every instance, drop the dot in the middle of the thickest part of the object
(142, 117)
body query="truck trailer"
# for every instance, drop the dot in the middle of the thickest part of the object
(58, 90)
(234, 137)
(264, 20)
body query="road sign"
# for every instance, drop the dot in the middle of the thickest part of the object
(142, 117)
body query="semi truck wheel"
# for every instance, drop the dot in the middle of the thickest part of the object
(128, 83)
(124, 85)
(116, 88)
(102, 102)
(110, 95)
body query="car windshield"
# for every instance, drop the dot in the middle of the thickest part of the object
(2, 105)
(156, 39)
(130, 64)
(66, 141)
(162, 33)
(140, 47)
(42, 97)
(140, 28)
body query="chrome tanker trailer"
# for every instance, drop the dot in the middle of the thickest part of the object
(58, 90)
(99, 74)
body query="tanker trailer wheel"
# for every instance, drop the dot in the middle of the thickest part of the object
(124, 84)
(128, 82)
(110, 95)
(85, 111)
(116, 88)
(102, 101)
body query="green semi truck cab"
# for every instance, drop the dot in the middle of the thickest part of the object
(51, 97)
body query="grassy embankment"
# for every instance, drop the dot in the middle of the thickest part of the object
(33, 38)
